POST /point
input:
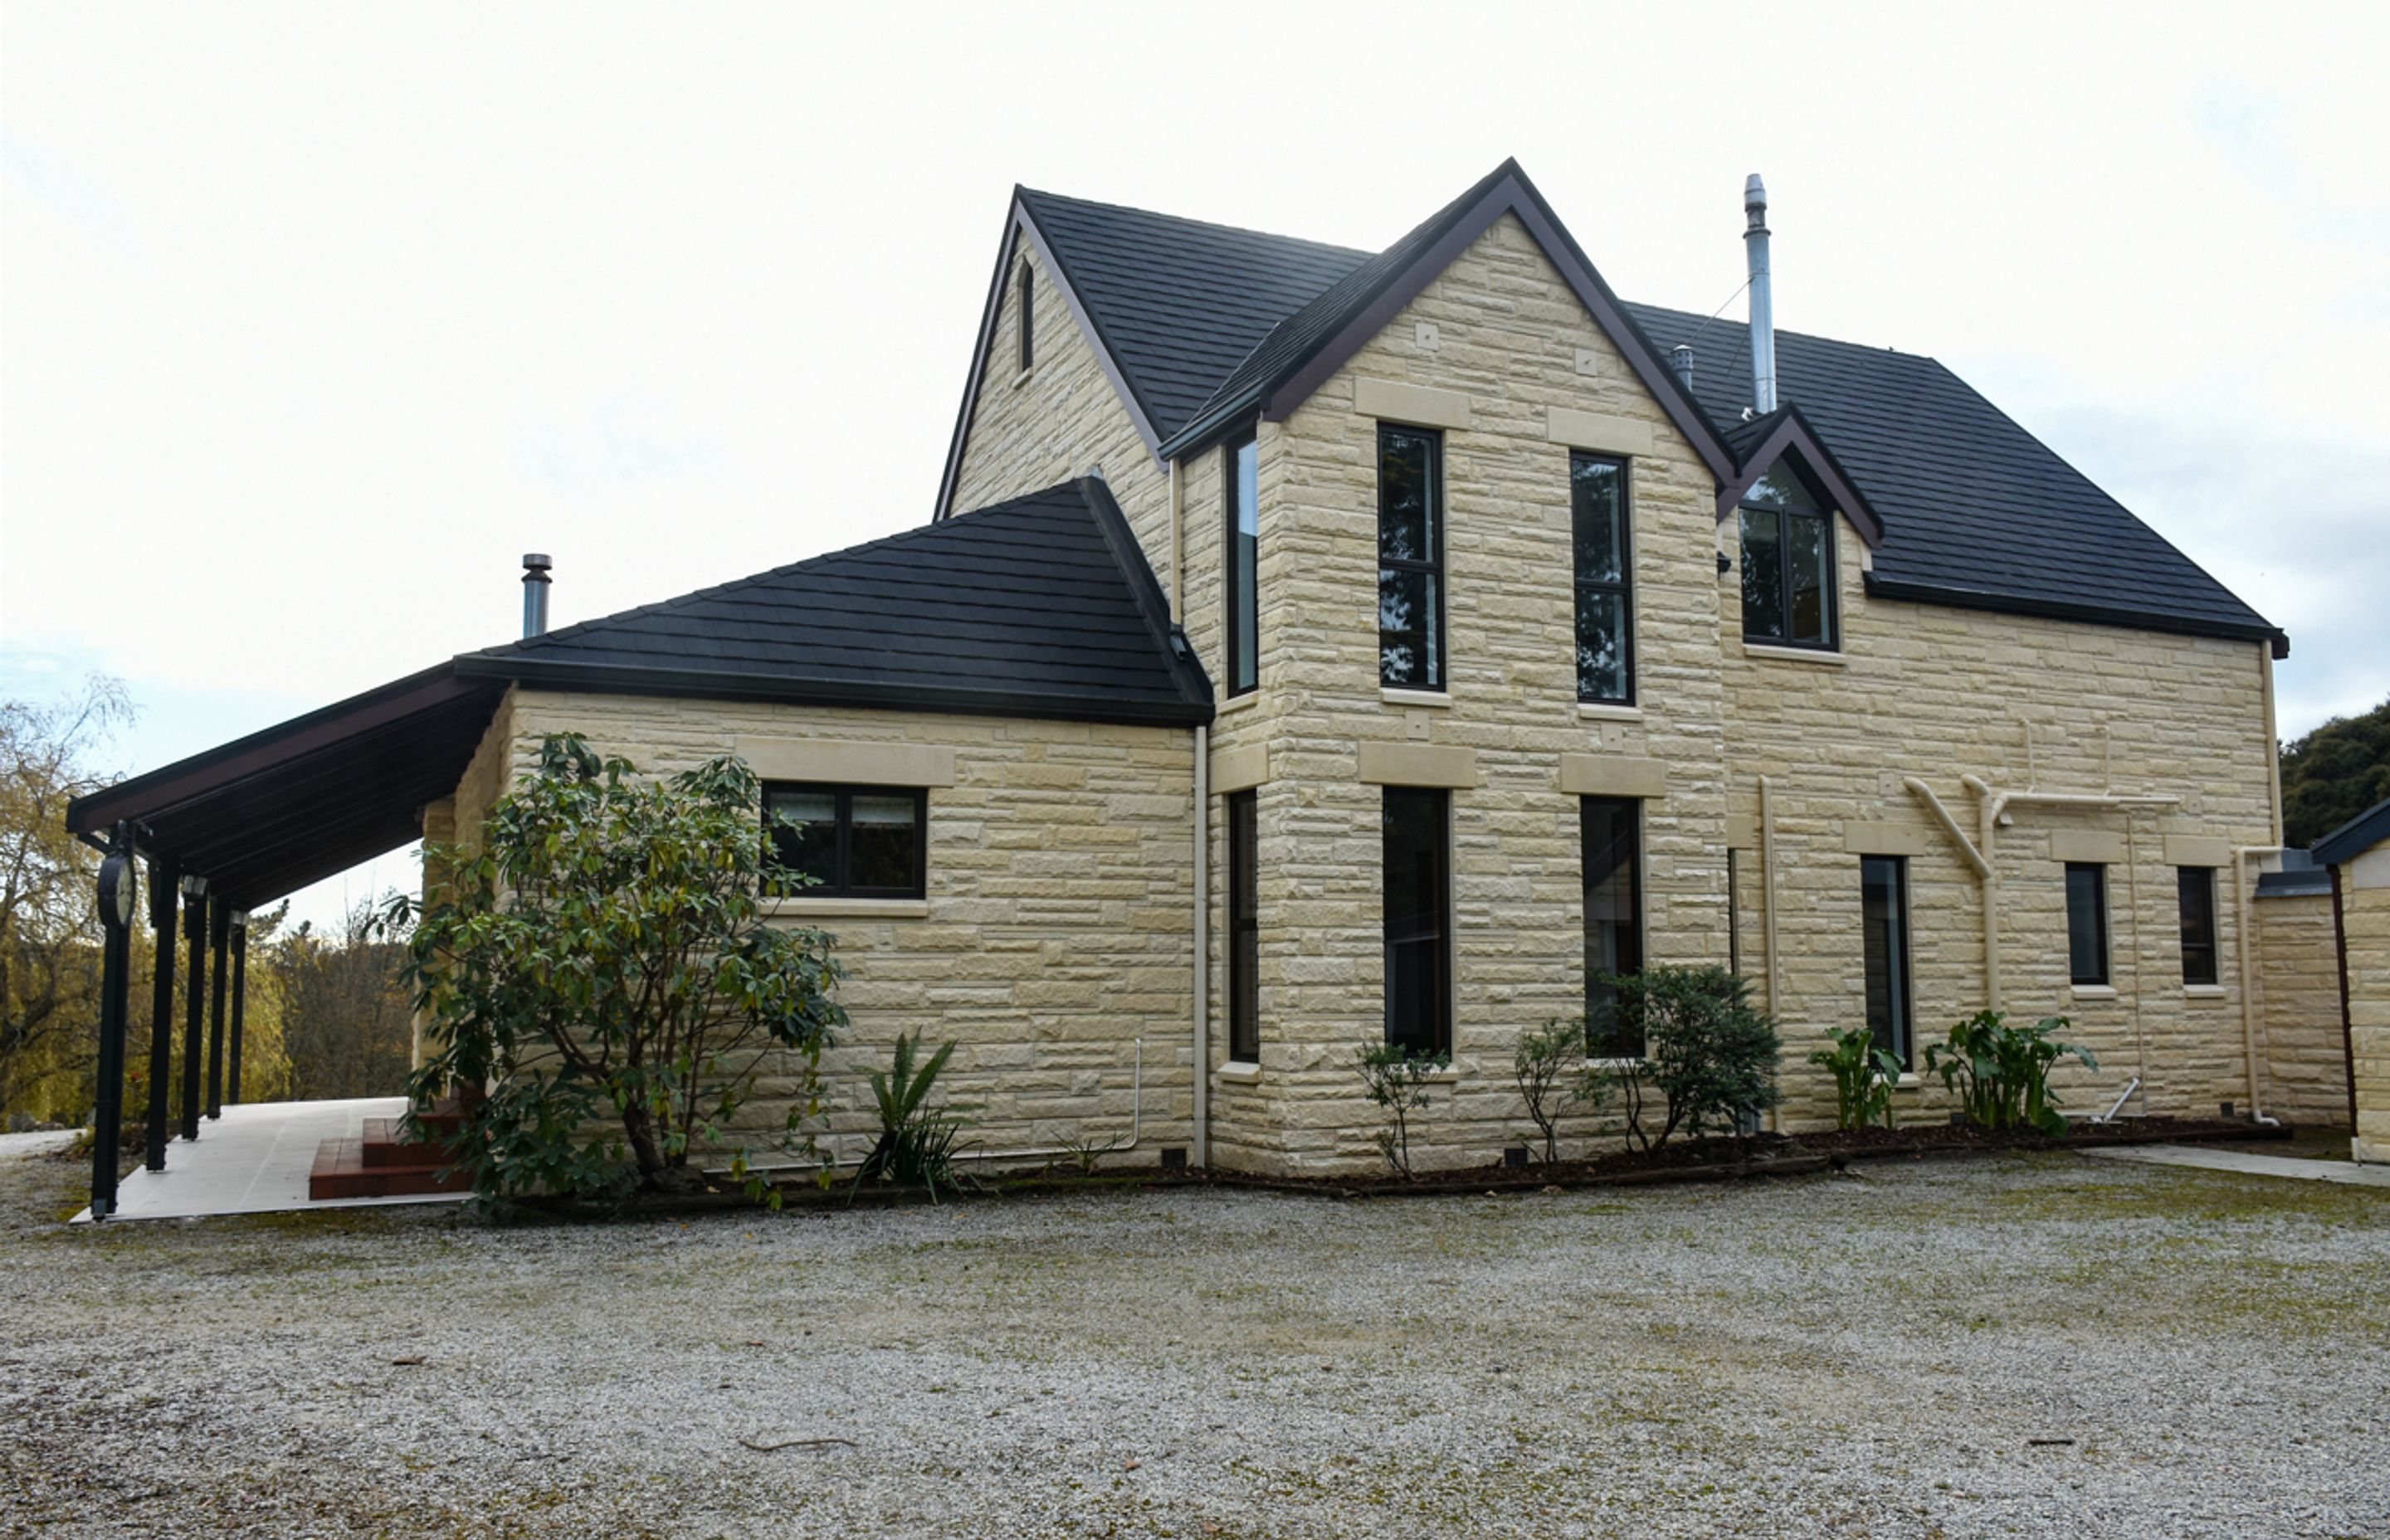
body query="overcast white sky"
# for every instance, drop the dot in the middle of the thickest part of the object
(315, 317)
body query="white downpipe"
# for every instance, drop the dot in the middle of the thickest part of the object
(1199, 1147)
(2241, 926)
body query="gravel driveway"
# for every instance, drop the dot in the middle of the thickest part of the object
(2039, 1345)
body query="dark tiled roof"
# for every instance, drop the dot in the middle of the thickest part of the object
(1301, 333)
(1975, 510)
(1972, 503)
(2356, 837)
(1177, 301)
(1038, 607)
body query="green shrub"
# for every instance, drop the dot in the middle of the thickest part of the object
(917, 1142)
(1397, 1080)
(1708, 1052)
(602, 963)
(1553, 1074)
(2001, 1074)
(1864, 1076)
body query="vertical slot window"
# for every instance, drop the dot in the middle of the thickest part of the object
(1883, 922)
(1611, 832)
(1241, 467)
(1605, 657)
(2087, 922)
(1244, 930)
(1410, 558)
(1418, 920)
(2195, 898)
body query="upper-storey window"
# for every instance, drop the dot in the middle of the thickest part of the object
(1028, 309)
(1410, 558)
(1240, 470)
(1605, 648)
(1787, 563)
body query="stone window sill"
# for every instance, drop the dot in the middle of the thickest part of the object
(1413, 698)
(1236, 703)
(2094, 991)
(1022, 378)
(1591, 711)
(2203, 992)
(1237, 1073)
(853, 908)
(1815, 658)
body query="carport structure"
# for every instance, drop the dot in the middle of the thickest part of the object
(236, 827)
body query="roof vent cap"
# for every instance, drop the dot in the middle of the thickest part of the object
(535, 583)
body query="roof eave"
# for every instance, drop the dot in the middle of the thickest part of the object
(1795, 432)
(1952, 597)
(713, 685)
(2354, 837)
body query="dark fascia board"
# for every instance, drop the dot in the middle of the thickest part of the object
(2354, 837)
(1020, 226)
(1951, 598)
(1186, 669)
(1512, 193)
(222, 766)
(1794, 432)
(711, 685)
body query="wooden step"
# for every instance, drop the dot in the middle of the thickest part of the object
(340, 1171)
(385, 1144)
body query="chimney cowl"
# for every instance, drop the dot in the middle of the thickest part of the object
(1682, 358)
(536, 584)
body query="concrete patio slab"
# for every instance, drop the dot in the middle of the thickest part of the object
(2253, 1165)
(255, 1159)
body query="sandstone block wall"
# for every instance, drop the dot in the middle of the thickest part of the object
(1058, 928)
(1061, 419)
(2298, 992)
(2365, 919)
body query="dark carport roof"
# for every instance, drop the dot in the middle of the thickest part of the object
(1041, 606)
(2356, 837)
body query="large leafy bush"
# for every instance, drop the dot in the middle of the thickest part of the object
(1708, 1051)
(2001, 1074)
(601, 963)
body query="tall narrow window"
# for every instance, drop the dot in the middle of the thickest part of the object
(2195, 896)
(1605, 656)
(1028, 307)
(1787, 563)
(1419, 908)
(2087, 922)
(853, 842)
(1883, 925)
(1410, 558)
(1244, 931)
(1610, 830)
(1240, 469)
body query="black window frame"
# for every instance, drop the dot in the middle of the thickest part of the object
(1243, 824)
(1437, 995)
(1439, 649)
(2097, 918)
(1602, 1037)
(1896, 1033)
(1241, 590)
(843, 851)
(1624, 587)
(2199, 955)
(1027, 319)
(1827, 519)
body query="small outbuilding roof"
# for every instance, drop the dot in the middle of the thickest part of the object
(2354, 837)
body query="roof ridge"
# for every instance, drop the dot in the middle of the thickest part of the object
(1026, 191)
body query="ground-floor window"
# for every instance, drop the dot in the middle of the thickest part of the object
(2195, 896)
(2087, 922)
(854, 842)
(1244, 931)
(1611, 831)
(1883, 922)
(1419, 926)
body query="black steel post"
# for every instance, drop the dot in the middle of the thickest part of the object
(220, 937)
(116, 900)
(163, 875)
(195, 1001)
(240, 999)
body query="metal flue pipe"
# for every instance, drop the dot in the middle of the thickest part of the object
(1763, 303)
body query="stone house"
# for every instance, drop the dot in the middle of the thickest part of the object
(1313, 647)
(2356, 856)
